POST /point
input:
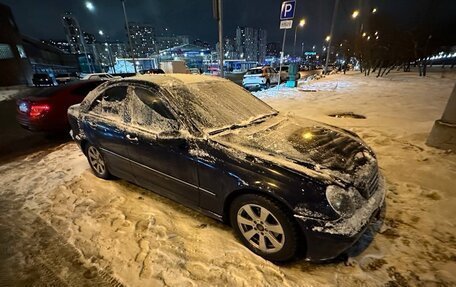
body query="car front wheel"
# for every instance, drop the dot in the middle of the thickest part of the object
(264, 227)
(97, 162)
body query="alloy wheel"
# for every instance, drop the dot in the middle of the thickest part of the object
(96, 160)
(261, 228)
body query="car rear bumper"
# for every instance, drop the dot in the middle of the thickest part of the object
(41, 124)
(327, 240)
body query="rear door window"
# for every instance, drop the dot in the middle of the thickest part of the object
(111, 102)
(146, 110)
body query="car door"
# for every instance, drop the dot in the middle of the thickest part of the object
(104, 125)
(159, 153)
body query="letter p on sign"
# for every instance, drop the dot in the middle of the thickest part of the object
(287, 10)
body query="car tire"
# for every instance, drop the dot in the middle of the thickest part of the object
(265, 227)
(97, 162)
(268, 84)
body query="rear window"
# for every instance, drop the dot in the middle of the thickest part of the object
(255, 72)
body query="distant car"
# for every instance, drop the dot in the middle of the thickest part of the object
(100, 76)
(40, 80)
(152, 71)
(194, 71)
(262, 77)
(284, 184)
(284, 75)
(66, 78)
(46, 109)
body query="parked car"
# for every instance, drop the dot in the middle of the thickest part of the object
(262, 77)
(46, 109)
(284, 184)
(100, 76)
(40, 80)
(284, 75)
(66, 78)
(152, 71)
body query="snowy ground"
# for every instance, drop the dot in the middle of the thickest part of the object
(62, 225)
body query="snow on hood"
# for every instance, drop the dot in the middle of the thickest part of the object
(304, 145)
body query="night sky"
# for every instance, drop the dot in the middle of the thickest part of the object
(41, 18)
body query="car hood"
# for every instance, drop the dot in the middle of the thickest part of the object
(305, 146)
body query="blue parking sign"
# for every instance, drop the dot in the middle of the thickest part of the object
(288, 9)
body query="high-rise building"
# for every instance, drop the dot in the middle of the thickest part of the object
(73, 33)
(229, 48)
(167, 42)
(59, 44)
(273, 49)
(89, 38)
(143, 39)
(251, 43)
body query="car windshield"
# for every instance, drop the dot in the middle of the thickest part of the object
(216, 105)
(254, 72)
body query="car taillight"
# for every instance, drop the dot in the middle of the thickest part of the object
(37, 110)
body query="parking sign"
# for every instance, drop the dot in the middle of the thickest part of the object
(287, 10)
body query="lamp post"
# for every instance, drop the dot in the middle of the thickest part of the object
(302, 22)
(329, 38)
(129, 35)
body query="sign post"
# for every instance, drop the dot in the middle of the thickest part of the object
(287, 12)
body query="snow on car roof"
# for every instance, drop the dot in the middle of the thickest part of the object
(173, 79)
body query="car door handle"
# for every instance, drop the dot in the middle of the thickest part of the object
(92, 124)
(132, 138)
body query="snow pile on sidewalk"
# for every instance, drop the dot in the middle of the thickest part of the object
(130, 235)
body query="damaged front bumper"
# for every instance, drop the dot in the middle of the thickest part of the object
(328, 239)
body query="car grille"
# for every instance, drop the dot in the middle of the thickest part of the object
(371, 184)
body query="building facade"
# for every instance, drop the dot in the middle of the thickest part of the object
(15, 67)
(167, 42)
(73, 33)
(251, 43)
(143, 39)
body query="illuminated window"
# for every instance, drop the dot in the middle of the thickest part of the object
(5, 51)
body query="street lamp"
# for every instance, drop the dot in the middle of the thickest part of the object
(101, 33)
(364, 34)
(374, 10)
(327, 38)
(89, 5)
(302, 22)
(355, 14)
(129, 35)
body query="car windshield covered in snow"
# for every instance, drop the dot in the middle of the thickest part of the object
(215, 105)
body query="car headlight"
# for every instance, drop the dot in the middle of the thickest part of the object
(344, 202)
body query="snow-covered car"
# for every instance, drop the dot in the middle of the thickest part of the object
(66, 78)
(262, 77)
(284, 184)
(284, 74)
(100, 76)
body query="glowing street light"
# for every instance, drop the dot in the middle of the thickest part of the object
(302, 22)
(355, 14)
(364, 34)
(101, 33)
(374, 10)
(327, 38)
(368, 38)
(89, 5)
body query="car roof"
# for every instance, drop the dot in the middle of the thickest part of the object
(173, 79)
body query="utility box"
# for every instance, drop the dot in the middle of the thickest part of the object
(292, 81)
(173, 67)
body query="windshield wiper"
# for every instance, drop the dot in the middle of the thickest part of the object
(236, 126)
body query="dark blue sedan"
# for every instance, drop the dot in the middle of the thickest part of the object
(286, 185)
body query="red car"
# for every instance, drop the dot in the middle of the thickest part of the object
(45, 109)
